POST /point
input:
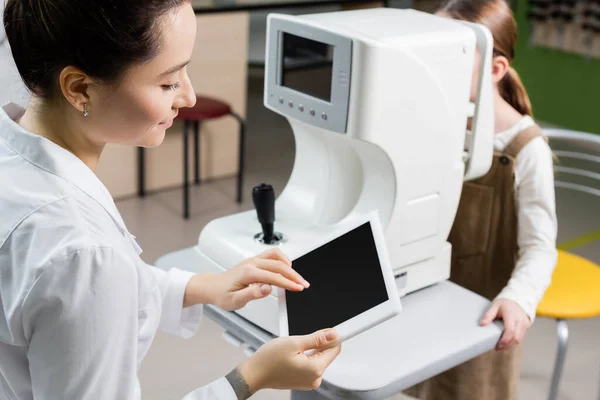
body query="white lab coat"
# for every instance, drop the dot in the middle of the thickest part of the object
(78, 307)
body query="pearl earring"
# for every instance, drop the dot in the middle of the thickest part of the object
(85, 110)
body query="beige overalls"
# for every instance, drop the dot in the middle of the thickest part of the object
(484, 254)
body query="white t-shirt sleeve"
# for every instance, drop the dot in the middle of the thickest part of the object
(80, 318)
(175, 319)
(537, 222)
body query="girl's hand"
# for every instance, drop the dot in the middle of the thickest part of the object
(516, 322)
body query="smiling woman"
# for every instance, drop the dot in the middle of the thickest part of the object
(79, 308)
(125, 90)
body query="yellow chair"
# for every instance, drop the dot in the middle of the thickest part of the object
(575, 289)
(573, 294)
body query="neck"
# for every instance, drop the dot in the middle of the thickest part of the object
(505, 116)
(60, 124)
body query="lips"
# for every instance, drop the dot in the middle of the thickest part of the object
(167, 124)
(169, 121)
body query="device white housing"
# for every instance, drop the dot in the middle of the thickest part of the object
(400, 147)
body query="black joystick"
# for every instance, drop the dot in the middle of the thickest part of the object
(263, 197)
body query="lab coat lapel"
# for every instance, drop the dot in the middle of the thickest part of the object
(59, 161)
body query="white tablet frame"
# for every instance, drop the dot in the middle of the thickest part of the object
(373, 316)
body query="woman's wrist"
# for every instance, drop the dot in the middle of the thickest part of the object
(244, 380)
(198, 290)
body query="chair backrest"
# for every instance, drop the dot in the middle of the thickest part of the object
(578, 160)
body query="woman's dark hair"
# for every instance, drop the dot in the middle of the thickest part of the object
(100, 37)
(498, 17)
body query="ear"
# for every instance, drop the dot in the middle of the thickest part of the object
(75, 85)
(500, 66)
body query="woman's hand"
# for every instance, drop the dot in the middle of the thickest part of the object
(516, 322)
(283, 364)
(249, 280)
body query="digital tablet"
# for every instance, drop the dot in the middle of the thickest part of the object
(352, 286)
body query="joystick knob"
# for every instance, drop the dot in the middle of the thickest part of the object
(263, 197)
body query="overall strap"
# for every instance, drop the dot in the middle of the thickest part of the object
(522, 139)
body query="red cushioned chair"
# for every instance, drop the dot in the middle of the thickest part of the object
(206, 108)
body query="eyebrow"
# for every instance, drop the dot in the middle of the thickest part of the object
(175, 68)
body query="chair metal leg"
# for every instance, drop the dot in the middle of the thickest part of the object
(562, 331)
(141, 173)
(241, 158)
(186, 186)
(197, 152)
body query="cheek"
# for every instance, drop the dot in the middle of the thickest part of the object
(475, 77)
(474, 83)
(133, 117)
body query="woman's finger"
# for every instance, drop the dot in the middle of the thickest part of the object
(257, 275)
(275, 254)
(281, 268)
(324, 358)
(252, 292)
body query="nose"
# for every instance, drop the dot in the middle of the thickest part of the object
(187, 96)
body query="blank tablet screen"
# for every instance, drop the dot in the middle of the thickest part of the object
(345, 280)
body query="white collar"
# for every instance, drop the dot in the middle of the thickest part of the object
(503, 139)
(52, 158)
